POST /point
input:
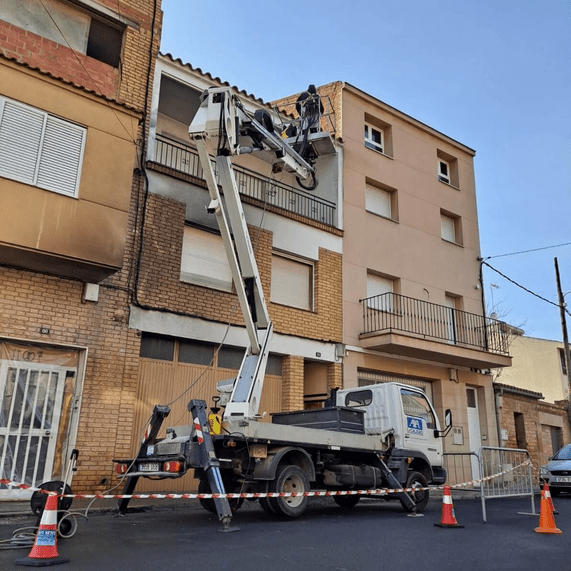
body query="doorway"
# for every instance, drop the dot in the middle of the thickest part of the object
(474, 434)
(34, 384)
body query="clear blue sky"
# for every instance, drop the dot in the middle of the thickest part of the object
(492, 74)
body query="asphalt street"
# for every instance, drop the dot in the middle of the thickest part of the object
(375, 535)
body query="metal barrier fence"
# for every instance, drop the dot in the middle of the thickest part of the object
(516, 481)
(462, 468)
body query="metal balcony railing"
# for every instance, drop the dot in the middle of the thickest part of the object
(184, 159)
(391, 311)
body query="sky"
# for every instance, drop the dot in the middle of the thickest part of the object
(493, 74)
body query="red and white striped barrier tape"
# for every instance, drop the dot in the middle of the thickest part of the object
(230, 496)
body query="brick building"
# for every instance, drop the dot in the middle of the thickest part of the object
(73, 100)
(184, 304)
(525, 422)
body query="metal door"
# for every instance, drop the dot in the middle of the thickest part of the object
(30, 408)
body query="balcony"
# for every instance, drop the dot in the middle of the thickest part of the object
(184, 159)
(411, 327)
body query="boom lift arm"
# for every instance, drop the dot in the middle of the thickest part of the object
(224, 128)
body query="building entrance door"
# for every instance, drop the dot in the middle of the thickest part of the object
(31, 397)
(474, 435)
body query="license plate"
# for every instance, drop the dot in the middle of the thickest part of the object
(149, 467)
(562, 479)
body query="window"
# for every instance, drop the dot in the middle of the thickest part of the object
(380, 292)
(415, 404)
(447, 168)
(381, 201)
(450, 228)
(204, 260)
(359, 398)
(374, 138)
(157, 347)
(292, 282)
(196, 352)
(40, 149)
(104, 42)
(443, 171)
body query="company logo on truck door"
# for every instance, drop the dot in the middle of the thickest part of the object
(414, 425)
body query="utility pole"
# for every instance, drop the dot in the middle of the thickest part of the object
(565, 337)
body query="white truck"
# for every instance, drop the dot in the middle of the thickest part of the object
(371, 437)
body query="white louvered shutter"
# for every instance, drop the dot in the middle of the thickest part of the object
(292, 282)
(378, 201)
(61, 157)
(21, 129)
(204, 260)
(447, 228)
(39, 149)
(378, 285)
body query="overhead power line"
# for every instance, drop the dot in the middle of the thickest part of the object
(523, 287)
(527, 251)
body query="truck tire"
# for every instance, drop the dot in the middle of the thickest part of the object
(208, 504)
(289, 478)
(347, 501)
(420, 498)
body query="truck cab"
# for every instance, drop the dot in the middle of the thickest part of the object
(398, 412)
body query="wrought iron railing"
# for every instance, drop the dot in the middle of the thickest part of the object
(184, 159)
(391, 311)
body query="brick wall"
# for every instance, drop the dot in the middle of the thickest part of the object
(331, 98)
(160, 285)
(126, 85)
(537, 434)
(31, 300)
(292, 383)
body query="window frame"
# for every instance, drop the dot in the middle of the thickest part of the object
(47, 155)
(443, 177)
(310, 264)
(370, 143)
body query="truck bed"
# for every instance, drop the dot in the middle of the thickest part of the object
(319, 438)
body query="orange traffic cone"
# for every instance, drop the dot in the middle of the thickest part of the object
(546, 520)
(548, 496)
(44, 552)
(448, 518)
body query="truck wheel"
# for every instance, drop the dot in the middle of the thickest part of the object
(289, 479)
(208, 504)
(347, 501)
(420, 498)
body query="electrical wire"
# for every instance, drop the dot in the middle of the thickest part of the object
(527, 251)
(523, 287)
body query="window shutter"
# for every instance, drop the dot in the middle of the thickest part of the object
(61, 157)
(447, 226)
(378, 201)
(21, 130)
(292, 282)
(204, 260)
(377, 285)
